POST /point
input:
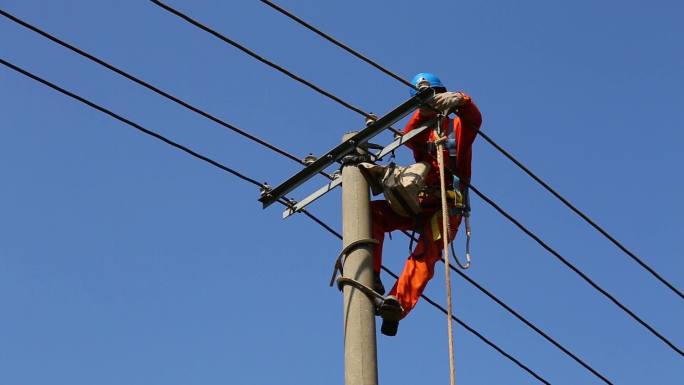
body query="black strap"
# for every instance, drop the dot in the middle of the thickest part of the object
(339, 263)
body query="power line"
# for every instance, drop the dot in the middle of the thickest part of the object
(541, 182)
(572, 267)
(524, 320)
(243, 177)
(154, 89)
(259, 58)
(473, 331)
(269, 63)
(336, 42)
(576, 270)
(244, 133)
(443, 310)
(531, 325)
(131, 123)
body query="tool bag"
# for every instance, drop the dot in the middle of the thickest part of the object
(400, 185)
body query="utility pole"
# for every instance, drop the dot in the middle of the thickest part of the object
(360, 352)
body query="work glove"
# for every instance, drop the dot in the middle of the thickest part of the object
(448, 101)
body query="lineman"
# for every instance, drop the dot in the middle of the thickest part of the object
(419, 267)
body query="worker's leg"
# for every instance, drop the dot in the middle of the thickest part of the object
(383, 220)
(420, 266)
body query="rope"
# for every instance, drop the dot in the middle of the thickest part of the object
(445, 244)
(569, 265)
(477, 334)
(443, 310)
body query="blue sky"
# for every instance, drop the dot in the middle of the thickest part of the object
(124, 261)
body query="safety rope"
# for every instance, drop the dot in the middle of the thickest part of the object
(445, 242)
(465, 214)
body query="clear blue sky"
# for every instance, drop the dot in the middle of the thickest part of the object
(124, 261)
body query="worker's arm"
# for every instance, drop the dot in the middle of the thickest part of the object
(471, 120)
(419, 117)
(466, 127)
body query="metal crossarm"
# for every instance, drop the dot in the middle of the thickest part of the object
(346, 147)
(338, 180)
(317, 194)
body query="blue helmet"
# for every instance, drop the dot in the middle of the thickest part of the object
(432, 79)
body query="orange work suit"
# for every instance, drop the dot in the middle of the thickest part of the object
(419, 267)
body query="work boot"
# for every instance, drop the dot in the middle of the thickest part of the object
(377, 284)
(390, 310)
(389, 328)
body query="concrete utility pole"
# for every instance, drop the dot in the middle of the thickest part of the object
(360, 352)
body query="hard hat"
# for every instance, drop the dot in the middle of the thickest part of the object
(431, 79)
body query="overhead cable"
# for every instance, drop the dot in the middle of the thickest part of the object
(524, 320)
(132, 124)
(576, 270)
(259, 57)
(269, 63)
(243, 177)
(361, 112)
(541, 182)
(155, 89)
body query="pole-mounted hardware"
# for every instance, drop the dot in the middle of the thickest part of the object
(346, 147)
(337, 181)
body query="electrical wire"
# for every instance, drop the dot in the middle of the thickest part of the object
(269, 63)
(132, 124)
(336, 42)
(576, 270)
(244, 178)
(488, 139)
(572, 267)
(477, 334)
(266, 144)
(259, 57)
(523, 319)
(155, 89)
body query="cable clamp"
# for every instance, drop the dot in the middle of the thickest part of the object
(265, 189)
(309, 159)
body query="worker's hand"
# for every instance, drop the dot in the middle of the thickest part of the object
(448, 101)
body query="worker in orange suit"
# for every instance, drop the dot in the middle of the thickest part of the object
(419, 267)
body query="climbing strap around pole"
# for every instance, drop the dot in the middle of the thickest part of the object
(339, 261)
(372, 294)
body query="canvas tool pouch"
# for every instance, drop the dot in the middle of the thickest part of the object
(401, 186)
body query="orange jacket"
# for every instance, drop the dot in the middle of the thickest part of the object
(466, 124)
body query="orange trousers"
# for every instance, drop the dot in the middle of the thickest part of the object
(420, 266)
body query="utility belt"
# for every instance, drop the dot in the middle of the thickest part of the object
(432, 196)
